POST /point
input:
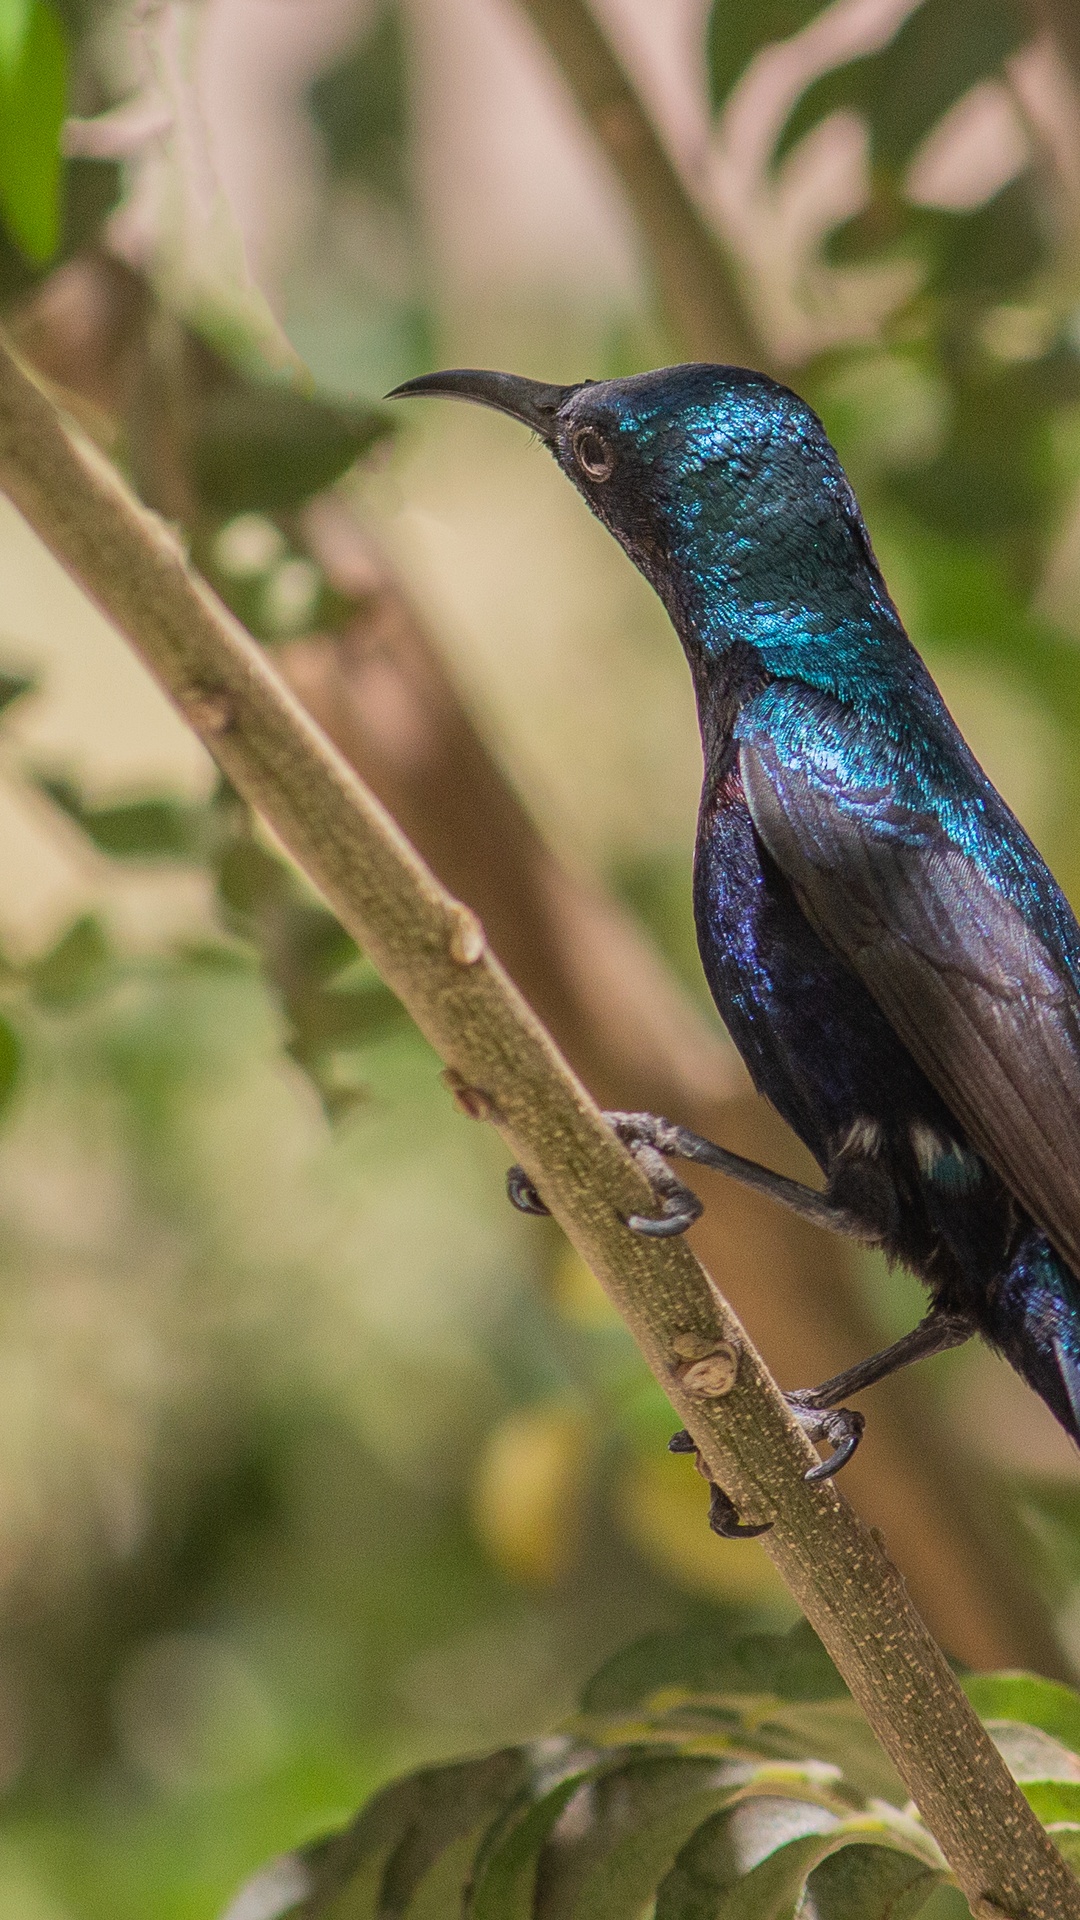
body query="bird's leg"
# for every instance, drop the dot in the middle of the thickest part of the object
(821, 1418)
(652, 1141)
(818, 1411)
(938, 1331)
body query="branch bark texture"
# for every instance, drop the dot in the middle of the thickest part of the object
(432, 951)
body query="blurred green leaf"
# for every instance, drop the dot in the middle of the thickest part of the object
(886, 412)
(145, 830)
(10, 1062)
(14, 29)
(873, 1883)
(1067, 1842)
(252, 882)
(937, 55)
(379, 1864)
(985, 252)
(835, 1732)
(958, 596)
(217, 956)
(334, 1001)
(887, 226)
(987, 484)
(1027, 1698)
(505, 1884)
(991, 479)
(638, 1816)
(360, 107)
(13, 686)
(1055, 1800)
(736, 32)
(368, 311)
(89, 191)
(1033, 1756)
(754, 1862)
(792, 1667)
(972, 256)
(33, 102)
(657, 887)
(150, 829)
(74, 968)
(266, 447)
(440, 1891)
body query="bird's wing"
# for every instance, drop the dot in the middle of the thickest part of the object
(973, 991)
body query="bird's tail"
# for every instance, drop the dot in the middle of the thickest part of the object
(1035, 1321)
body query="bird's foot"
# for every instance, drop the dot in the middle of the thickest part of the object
(724, 1517)
(723, 1513)
(841, 1428)
(648, 1139)
(522, 1194)
(653, 1141)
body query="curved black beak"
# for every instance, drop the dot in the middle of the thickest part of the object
(532, 402)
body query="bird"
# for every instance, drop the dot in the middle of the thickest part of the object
(891, 955)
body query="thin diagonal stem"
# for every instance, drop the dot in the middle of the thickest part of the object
(936, 1334)
(1061, 18)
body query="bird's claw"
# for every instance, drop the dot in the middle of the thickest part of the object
(522, 1194)
(646, 1139)
(678, 1210)
(840, 1427)
(723, 1514)
(724, 1517)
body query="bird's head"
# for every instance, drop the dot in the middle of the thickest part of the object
(721, 485)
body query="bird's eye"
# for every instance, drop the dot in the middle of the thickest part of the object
(593, 454)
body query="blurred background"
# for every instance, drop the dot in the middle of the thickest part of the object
(316, 1460)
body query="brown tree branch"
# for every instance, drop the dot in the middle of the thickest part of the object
(432, 951)
(696, 286)
(1061, 19)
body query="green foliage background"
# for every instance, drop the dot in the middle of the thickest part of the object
(318, 1466)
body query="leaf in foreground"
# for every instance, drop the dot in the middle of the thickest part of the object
(704, 1780)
